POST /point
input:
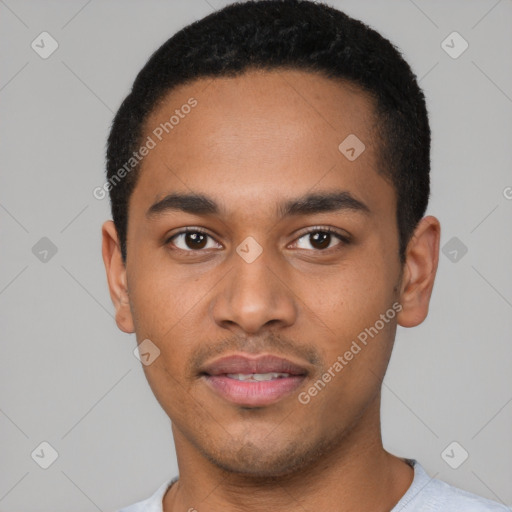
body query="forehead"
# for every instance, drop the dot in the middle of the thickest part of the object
(258, 136)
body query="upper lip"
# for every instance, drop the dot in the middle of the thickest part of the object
(251, 364)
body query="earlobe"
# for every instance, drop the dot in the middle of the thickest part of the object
(116, 277)
(419, 273)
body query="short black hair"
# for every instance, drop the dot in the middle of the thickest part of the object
(293, 34)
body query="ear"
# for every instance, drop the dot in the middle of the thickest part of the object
(116, 277)
(420, 267)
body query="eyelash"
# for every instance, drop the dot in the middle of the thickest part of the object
(317, 229)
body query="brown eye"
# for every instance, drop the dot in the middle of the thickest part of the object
(321, 239)
(190, 240)
(195, 240)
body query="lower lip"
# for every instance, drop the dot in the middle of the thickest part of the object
(252, 393)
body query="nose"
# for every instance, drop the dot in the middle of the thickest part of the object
(255, 295)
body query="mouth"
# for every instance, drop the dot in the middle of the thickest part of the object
(253, 381)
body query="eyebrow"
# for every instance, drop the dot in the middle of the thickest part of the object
(199, 204)
(322, 202)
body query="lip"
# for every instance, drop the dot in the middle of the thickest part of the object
(253, 393)
(253, 364)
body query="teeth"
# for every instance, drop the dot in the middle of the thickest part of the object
(257, 377)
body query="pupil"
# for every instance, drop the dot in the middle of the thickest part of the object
(325, 239)
(195, 237)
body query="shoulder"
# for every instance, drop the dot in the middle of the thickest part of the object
(433, 495)
(152, 504)
(453, 498)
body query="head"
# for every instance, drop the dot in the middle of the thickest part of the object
(260, 122)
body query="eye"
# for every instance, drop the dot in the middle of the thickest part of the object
(191, 239)
(320, 238)
(194, 239)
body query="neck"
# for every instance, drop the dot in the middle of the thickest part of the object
(356, 474)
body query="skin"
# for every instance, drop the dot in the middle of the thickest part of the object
(250, 143)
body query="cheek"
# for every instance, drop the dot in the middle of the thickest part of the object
(353, 295)
(355, 364)
(162, 309)
(164, 312)
(358, 309)
(162, 297)
(170, 389)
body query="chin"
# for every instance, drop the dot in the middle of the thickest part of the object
(268, 462)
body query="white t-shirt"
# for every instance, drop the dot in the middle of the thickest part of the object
(425, 494)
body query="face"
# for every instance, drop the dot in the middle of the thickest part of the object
(292, 251)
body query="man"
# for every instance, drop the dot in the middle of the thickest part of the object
(268, 175)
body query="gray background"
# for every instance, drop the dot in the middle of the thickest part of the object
(69, 377)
